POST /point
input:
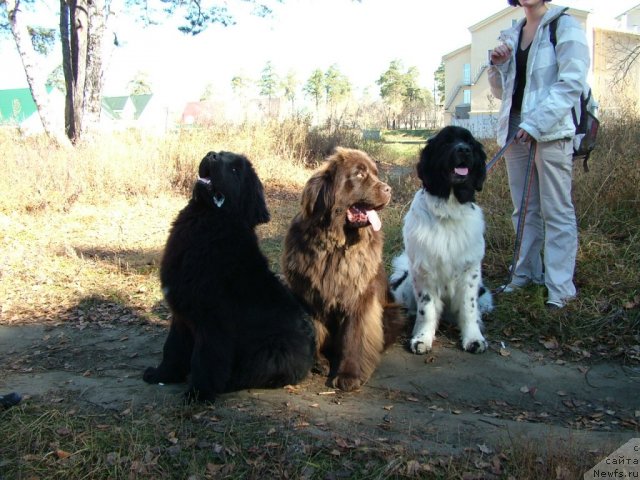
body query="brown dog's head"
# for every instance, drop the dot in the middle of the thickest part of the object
(346, 191)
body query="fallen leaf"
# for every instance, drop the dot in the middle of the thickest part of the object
(62, 454)
(550, 343)
(213, 468)
(632, 303)
(413, 468)
(504, 352)
(341, 442)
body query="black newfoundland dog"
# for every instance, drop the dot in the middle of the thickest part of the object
(443, 235)
(234, 324)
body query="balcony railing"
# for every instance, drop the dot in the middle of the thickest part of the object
(463, 84)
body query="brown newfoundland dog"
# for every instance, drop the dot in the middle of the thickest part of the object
(333, 263)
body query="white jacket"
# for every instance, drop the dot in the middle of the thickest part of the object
(555, 79)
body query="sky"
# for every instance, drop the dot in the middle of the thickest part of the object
(361, 38)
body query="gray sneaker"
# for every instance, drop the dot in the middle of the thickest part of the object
(510, 288)
(551, 305)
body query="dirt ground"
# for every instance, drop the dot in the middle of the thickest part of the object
(444, 402)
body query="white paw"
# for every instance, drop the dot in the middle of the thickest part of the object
(421, 345)
(474, 345)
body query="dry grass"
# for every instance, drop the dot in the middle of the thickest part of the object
(605, 319)
(232, 441)
(109, 205)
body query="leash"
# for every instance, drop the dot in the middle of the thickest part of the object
(498, 156)
(524, 202)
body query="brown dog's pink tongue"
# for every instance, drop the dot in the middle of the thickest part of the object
(374, 220)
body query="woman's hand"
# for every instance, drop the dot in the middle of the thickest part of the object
(500, 54)
(522, 137)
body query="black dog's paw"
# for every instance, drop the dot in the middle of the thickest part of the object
(163, 375)
(151, 375)
(10, 400)
(321, 366)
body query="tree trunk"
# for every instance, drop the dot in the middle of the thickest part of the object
(82, 28)
(95, 54)
(35, 77)
(73, 32)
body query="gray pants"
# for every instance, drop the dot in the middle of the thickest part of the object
(550, 219)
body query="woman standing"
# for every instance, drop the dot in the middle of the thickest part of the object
(539, 83)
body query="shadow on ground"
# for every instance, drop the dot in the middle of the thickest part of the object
(445, 401)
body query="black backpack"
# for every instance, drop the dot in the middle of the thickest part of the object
(587, 125)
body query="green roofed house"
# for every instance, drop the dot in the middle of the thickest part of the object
(16, 105)
(140, 102)
(118, 108)
(18, 110)
(134, 111)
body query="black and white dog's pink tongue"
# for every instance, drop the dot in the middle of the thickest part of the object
(462, 171)
(374, 220)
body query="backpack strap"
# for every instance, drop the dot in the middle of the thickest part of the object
(553, 37)
(553, 28)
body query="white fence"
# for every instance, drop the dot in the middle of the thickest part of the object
(482, 126)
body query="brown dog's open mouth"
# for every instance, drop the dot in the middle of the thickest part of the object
(360, 215)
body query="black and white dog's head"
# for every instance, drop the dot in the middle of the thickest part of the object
(228, 184)
(453, 161)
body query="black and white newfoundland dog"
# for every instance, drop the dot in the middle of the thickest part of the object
(443, 234)
(234, 324)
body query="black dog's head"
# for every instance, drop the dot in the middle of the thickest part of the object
(453, 161)
(228, 183)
